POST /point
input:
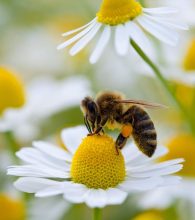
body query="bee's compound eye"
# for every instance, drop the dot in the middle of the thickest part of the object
(92, 107)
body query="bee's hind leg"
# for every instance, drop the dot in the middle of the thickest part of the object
(123, 136)
(120, 142)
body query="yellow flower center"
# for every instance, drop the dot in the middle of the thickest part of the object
(185, 93)
(11, 90)
(189, 60)
(11, 209)
(183, 146)
(96, 163)
(114, 12)
(150, 215)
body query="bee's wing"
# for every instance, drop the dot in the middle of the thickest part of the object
(142, 103)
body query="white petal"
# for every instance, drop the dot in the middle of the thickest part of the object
(115, 196)
(72, 137)
(36, 171)
(130, 152)
(171, 180)
(52, 150)
(50, 191)
(76, 37)
(158, 172)
(169, 23)
(33, 185)
(144, 168)
(136, 33)
(33, 156)
(121, 40)
(130, 185)
(78, 29)
(103, 41)
(85, 40)
(160, 31)
(141, 159)
(160, 10)
(96, 198)
(76, 193)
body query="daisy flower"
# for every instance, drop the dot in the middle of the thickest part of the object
(164, 197)
(12, 208)
(12, 94)
(128, 20)
(44, 98)
(90, 171)
(186, 8)
(180, 65)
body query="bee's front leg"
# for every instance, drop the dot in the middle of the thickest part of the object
(97, 131)
(100, 126)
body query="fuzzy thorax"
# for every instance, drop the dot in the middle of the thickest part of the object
(96, 163)
(114, 12)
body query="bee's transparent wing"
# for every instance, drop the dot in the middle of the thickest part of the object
(142, 103)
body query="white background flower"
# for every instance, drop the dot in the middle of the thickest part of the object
(186, 8)
(48, 208)
(45, 97)
(163, 198)
(156, 21)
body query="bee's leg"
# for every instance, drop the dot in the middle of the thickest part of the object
(120, 142)
(123, 136)
(100, 126)
(87, 124)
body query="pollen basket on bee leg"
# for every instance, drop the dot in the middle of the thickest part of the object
(127, 130)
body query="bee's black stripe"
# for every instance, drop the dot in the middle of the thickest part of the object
(145, 125)
(149, 134)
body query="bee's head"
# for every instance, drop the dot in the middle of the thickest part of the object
(91, 113)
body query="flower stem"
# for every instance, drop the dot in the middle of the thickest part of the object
(164, 82)
(97, 214)
(11, 144)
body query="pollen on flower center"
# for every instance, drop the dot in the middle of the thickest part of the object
(189, 64)
(114, 12)
(96, 163)
(11, 90)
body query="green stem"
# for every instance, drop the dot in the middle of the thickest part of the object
(97, 214)
(164, 82)
(11, 144)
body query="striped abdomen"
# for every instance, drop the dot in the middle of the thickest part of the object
(144, 132)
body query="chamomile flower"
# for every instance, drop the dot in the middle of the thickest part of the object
(186, 8)
(90, 171)
(128, 20)
(12, 94)
(180, 66)
(164, 197)
(11, 208)
(45, 97)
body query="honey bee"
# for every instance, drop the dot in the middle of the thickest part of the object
(112, 110)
